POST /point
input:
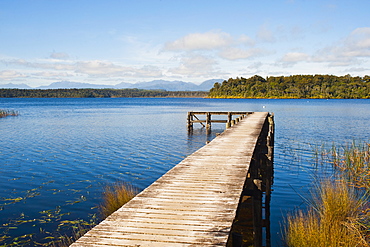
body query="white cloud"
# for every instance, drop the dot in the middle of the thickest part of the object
(358, 43)
(91, 68)
(244, 39)
(200, 41)
(59, 55)
(148, 71)
(294, 57)
(353, 69)
(234, 53)
(195, 65)
(40, 65)
(52, 74)
(349, 51)
(99, 68)
(212, 40)
(265, 34)
(255, 65)
(8, 75)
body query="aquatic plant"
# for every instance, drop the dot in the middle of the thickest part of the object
(65, 241)
(115, 196)
(353, 161)
(5, 113)
(68, 231)
(335, 218)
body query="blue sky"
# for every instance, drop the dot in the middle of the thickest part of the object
(108, 42)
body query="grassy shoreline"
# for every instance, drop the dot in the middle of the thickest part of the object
(338, 212)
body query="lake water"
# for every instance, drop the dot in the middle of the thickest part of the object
(58, 154)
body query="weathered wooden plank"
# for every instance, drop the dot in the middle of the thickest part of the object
(154, 225)
(171, 212)
(139, 243)
(194, 203)
(189, 223)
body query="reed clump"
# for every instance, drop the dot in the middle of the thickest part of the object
(5, 113)
(115, 196)
(354, 162)
(335, 217)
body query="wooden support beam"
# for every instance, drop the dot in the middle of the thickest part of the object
(199, 121)
(208, 120)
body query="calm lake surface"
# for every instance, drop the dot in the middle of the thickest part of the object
(58, 154)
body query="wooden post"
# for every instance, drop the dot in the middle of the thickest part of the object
(257, 216)
(232, 122)
(271, 133)
(190, 121)
(269, 175)
(208, 121)
(229, 117)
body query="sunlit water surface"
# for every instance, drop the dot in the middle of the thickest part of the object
(58, 154)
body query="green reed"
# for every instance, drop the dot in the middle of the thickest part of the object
(353, 161)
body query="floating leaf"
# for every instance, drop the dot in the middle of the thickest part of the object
(14, 199)
(49, 237)
(70, 222)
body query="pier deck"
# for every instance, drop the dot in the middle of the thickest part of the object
(193, 204)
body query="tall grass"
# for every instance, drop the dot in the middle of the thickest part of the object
(335, 218)
(115, 196)
(353, 161)
(5, 113)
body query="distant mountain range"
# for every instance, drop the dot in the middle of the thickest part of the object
(156, 84)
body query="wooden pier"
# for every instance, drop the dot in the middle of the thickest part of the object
(204, 200)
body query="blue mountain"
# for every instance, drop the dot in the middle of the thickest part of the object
(155, 84)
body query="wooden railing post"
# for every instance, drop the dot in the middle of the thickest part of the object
(208, 121)
(190, 121)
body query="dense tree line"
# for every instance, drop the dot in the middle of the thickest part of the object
(295, 86)
(95, 93)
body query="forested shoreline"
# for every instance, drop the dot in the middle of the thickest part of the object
(96, 93)
(295, 86)
(285, 87)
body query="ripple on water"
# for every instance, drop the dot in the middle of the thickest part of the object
(59, 153)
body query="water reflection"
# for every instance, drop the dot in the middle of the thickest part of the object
(203, 135)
